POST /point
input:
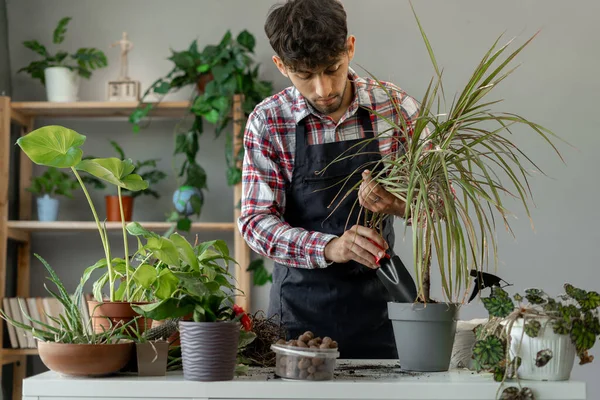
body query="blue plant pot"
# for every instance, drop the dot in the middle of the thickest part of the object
(182, 199)
(47, 208)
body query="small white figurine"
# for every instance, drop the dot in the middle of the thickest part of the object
(124, 88)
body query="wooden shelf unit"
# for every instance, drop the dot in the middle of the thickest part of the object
(24, 114)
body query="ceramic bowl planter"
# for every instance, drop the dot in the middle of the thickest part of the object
(209, 350)
(106, 316)
(424, 334)
(113, 211)
(85, 359)
(47, 208)
(62, 84)
(561, 347)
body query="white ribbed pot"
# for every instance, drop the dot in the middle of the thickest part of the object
(62, 84)
(563, 353)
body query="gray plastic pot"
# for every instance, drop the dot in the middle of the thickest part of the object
(424, 334)
(47, 208)
(209, 350)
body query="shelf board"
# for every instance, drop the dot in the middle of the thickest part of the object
(66, 226)
(9, 356)
(95, 109)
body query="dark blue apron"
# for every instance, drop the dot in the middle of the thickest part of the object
(346, 302)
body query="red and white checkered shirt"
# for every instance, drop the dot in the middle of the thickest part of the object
(270, 144)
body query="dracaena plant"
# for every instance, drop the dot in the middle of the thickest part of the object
(449, 172)
(69, 326)
(60, 147)
(83, 61)
(573, 314)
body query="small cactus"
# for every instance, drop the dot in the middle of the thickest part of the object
(163, 331)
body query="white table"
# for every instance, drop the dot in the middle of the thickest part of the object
(354, 380)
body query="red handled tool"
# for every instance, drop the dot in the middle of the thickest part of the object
(395, 277)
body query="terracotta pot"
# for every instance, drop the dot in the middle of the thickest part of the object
(113, 211)
(108, 315)
(85, 359)
(203, 81)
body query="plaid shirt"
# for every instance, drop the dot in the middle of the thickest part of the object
(269, 144)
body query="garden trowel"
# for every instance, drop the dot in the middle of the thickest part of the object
(396, 278)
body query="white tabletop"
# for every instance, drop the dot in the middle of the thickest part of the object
(368, 379)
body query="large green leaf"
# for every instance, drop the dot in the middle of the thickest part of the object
(145, 275)
(488, 352)
(166, 284)
(164, 250)
(135, 229)
(192, 284)
(53, 146)
(186, 252)
(167, 308)
(115, 171)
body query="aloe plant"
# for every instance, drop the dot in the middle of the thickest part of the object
(60, 147)
(448, 173)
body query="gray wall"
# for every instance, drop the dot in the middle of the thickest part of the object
(556, 86)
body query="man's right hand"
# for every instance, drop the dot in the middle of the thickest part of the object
(354, 245)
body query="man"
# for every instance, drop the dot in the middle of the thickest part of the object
(324, 278)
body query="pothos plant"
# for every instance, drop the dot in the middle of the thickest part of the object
(573, 314)
(216, 74)
(60, 147)
(188, 280)
(83, 61)
(447, 170)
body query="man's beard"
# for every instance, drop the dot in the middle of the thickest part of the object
(330, 108)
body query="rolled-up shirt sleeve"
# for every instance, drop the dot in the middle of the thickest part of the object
(263, 205)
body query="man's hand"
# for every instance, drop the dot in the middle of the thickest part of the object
(375, 198)
(354, 245)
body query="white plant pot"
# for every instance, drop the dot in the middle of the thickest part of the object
(47, 208)
(563, 353)
(62, 84)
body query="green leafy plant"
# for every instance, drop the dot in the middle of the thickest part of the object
(53, 182)
(226, 69)
(70, 327)
(260, 275)
(60, 147)
(574, 314)
(83, 61)
(449, 172)
(144, 168)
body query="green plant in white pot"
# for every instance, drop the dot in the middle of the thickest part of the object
(194, 283)
(48, 186)
(536, 337)
(60, 72)
(60, 147)
(457, 166)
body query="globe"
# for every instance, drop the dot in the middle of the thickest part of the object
(182, 199)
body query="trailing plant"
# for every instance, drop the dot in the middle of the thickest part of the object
(60, 147)
(83, 61)
(53, 182)
(573, 314)
(226, 69)
(70, 327)
(448, 172)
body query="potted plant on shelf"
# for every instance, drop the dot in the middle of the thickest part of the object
(449, 177)
(216, 74)
(47, 187)
(69, 346)
(60, 73)
(194, 283)
(149, 173)
(60, 147)
(538, 337)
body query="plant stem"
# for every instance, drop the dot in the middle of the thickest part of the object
(426, 275)
(103, 237)
(124, 245)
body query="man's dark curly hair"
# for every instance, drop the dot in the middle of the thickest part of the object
(307, 33)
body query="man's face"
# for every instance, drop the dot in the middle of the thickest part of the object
(323, 87)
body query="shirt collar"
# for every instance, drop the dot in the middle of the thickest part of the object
(301, 108)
